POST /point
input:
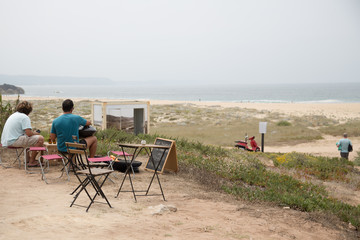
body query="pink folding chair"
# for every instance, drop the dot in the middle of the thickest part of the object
(30, 149)
(44, 162)
(101, 161)
(47, 159)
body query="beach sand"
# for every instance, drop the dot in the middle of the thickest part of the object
(32, 209)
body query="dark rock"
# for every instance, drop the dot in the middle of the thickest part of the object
(10, 89)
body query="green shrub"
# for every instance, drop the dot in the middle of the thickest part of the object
(323, 168)
(357, 159)
(283, 123)
(6, 109)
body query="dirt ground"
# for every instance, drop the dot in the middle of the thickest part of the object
(323, 147)
(32, 209)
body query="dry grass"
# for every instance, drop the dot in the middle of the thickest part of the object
(44, 112)
(222, 126)
(211, 125)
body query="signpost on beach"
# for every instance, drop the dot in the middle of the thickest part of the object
(262, 130)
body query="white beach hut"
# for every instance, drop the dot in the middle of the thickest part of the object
(129, 116)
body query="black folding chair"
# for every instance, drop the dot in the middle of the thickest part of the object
(86, 176)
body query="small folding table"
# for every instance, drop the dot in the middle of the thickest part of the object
(137, 148)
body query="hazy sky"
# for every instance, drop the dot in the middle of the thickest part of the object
(227, 41)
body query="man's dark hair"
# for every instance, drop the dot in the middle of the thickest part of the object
(24, 107)
(67, 105)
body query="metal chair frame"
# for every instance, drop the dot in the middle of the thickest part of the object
(77, 151)
(18, 150)
(48, 157)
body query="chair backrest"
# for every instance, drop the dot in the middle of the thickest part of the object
(76, 152)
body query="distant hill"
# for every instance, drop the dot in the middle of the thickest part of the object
(10, 89)
(43, 80)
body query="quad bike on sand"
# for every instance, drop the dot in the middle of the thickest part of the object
(244, 144)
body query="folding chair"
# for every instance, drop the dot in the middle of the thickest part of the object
(101, 162)
(51, 157)
(77, 152)
(30, 149)
(18, 150)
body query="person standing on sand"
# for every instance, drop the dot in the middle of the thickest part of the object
(18, 132)
(67, 125)
(343, 146)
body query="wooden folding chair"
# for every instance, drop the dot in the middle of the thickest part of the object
(86, 176)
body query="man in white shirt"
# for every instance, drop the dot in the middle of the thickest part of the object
(18, 132)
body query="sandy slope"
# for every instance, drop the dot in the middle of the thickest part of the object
(31, 209)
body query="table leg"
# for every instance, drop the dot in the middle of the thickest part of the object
(157, 175)
(127, 173)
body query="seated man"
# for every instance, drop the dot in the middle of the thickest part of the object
(18, 132)
(67, 125)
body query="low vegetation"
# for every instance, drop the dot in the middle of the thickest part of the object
(323, 168)
(357, 159)
(244, 175)
(221, 127)
(351, 127)
(6, 109)
(283, 123)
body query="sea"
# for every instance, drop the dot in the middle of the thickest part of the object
(271, 93)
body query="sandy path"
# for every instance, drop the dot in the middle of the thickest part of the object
(31, 209)
(324, 147)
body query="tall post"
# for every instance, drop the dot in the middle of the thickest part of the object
(262, 130)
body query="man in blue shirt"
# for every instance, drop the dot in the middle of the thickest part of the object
(67, 125)
(343, 145)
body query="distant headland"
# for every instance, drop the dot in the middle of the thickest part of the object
(10, 89)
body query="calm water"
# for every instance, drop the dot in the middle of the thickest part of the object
(327, 93)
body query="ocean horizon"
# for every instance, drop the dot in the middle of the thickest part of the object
(271, 93)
